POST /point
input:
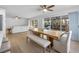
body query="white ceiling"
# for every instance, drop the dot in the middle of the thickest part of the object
(28, 11)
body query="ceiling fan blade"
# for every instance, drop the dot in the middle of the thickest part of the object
(44, 6)
(49, 9)
(19, 17)
(51, 6)
(41, 6)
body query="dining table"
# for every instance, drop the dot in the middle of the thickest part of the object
(51, 34)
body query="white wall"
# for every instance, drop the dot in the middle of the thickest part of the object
(15, 22)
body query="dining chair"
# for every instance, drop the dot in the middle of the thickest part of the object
(63, 43)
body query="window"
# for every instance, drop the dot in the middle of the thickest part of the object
(57, 23)
(47, 23)
(35, 23)
(60, 23)
(65, 23)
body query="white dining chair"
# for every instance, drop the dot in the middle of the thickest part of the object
(63, 43)
(69, 41)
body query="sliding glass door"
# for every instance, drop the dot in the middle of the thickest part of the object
(57, 23)
(64, 23)
(47, 23)
(60, 23)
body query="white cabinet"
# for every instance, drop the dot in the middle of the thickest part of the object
(18, 29)
(74, 25)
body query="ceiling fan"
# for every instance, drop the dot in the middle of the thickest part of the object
(46, 8)
(17, 17)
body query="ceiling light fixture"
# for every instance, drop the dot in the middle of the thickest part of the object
(16, 17)
(45, 10)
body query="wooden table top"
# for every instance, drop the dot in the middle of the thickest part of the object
(50, 33)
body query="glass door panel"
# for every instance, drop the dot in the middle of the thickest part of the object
(60, 23)
(35, 23)
(47, 23)
(55, 23)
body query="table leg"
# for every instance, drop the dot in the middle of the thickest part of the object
(52, 44)
(37, 34)
(51, 40)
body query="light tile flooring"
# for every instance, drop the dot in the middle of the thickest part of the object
(19, 44)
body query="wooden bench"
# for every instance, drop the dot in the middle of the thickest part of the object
(40, 41)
